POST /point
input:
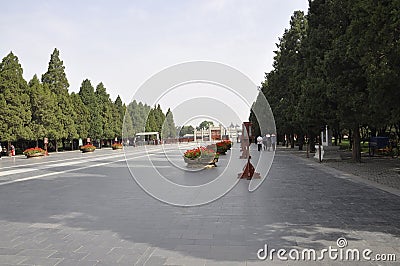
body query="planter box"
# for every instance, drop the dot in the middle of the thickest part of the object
(117, 148)
(198, 162)
(34, 155)
(87, 150)
(221, 150)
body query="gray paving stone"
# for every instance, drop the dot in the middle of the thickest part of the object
(100, 214)
(129, 259)
(223, 263)
(9, 251)
(33, 260)
(37, 253)
(69, 262)
(155, 261)
(69, 255)
(12, 259)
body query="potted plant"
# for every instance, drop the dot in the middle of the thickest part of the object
(116, 146)
(34, 152)
(87, 148)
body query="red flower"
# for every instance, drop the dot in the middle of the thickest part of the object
(33, 151)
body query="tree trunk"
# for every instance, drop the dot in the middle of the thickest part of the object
(301, 142)
(356, 155)
(37, 143)
(292, 141)
(56, 145)
(350, 138)
(373, 132)
(312, 143)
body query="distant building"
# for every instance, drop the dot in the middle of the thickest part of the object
(217, 133)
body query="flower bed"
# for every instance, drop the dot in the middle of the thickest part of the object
(199, 156)
(87, 148)
(116, 146)
(34, 152)
(223, 146)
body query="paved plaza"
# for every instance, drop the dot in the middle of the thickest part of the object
(85, 209)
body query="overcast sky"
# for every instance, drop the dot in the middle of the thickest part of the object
(123, 43)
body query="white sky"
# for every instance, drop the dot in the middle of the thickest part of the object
(123, 43)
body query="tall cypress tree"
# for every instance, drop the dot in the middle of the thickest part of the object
(169, 129)
(128, 131)
(15, 114)
(82, 116)
(88, 96)
(44, 110)
(151, 122)
(57, 81)
(159, 117)
(119, 109)
(106, 109)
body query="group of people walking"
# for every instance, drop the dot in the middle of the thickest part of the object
(267, 142)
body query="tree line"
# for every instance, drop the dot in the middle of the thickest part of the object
(339, 65)
(142, 118)
(44, 108)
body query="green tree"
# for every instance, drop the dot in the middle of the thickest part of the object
(56, 79)
(82, 116)
(376, 48)
(106, 110)
(151, 122)
(139, 113)
(159, 117)
(119, 110)
(44, 109)
(128, 131)
(185, 130)
(169, 129)
(88, 97)
(15, 113)
(282, 85)
(205, 125)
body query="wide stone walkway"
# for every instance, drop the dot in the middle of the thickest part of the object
(100, 216)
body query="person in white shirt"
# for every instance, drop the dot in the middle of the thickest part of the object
(273, 141)
(259, 143)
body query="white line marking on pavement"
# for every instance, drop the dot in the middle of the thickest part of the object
(46, 161)
(64, 163)
(66, 171)
(85, 167)
(24, 170)
(17, 171)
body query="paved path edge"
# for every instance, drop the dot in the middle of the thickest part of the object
(344, 175)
